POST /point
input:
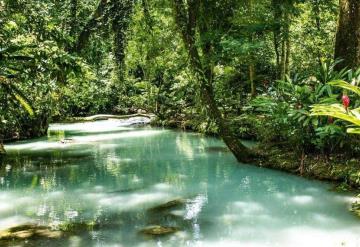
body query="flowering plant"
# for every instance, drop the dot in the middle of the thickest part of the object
(341, 111)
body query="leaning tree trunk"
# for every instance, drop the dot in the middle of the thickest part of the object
(347, 46)
(185, 18)
(207, 95)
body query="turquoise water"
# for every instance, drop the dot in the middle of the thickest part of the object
(110, 175)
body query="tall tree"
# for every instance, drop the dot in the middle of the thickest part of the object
(91, 26)
(316, 13)
(73, 17)
(347, 45)
(251, 65)
(121, 12)
(282, 13)
(187, 15)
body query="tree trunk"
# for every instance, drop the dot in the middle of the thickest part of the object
(316, 13)
(277, 34)
(281, 30)
(283, 60)
(288, 54)
(73, 17)
(285, 48)
(347, 45)
(90, 26)
(251, 59)
(277, 53)
(122, 11)
(185, 18)
(148, 19)
(251, 78)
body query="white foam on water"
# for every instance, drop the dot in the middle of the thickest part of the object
(302, 199)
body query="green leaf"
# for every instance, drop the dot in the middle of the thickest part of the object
(353, 131)
(336, 111)
(345, 85)
(24, 104)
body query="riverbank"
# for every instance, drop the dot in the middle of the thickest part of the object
(339, 169)
(343, 171)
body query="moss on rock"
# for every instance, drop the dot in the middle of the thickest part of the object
(159, 230)
(27, 232)
(168, 205)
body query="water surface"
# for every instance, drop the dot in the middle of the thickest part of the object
(111, 174)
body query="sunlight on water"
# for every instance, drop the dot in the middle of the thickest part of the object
(114, 177)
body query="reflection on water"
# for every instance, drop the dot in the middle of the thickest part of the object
(110, 175)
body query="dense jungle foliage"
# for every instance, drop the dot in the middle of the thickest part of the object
(249, 69)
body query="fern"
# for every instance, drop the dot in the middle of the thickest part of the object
(17, 95)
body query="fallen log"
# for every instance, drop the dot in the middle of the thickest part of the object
(108, 116)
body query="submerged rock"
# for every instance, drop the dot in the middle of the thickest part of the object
(159, 230)
(29, 231)
(75, 227)
(168, 205)
(129, 190)
(38, 232)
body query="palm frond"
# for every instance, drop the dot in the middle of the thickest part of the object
(343, 84)
(353, 131)
(337, 111)
(17, 95)
(24, 104)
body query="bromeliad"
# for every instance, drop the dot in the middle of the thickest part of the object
(346, 101)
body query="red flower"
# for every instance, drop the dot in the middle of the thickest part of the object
(345, 101)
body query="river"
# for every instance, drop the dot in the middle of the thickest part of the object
(109, 175)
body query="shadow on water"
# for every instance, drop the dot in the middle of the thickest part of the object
(124, 181)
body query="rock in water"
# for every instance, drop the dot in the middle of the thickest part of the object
(129, 190)
(67, 140)
(168, 205)
(29, 231)
(159, 230)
